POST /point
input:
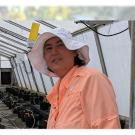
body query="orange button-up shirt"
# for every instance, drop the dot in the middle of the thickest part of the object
(84, 98)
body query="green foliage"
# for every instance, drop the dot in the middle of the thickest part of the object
(66, 13)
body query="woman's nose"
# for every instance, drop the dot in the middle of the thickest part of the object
(55, 50)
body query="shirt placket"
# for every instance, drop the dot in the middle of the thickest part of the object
(55, 108)
(62, 88)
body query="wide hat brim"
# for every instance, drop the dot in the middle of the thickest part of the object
(36, 54)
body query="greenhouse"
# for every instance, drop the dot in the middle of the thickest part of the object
(23, 89)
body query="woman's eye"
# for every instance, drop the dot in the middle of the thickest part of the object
(48, 48)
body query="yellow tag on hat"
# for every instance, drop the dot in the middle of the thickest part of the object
(34, 31)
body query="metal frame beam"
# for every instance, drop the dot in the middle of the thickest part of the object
(46, 24)
(25, 50)
(27, 74)
(51, 79)
(33, 76)
(100, 53)
(6, 54)
(10, 39)
(10, 48)
(17, 71)
(22, 75)
(92, 24)
(132, 81)
(7, 51)
(11, 33)
(13, 74)
(17, 25)
(0, 70)
(43, 83)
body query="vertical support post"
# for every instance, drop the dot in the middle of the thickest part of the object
(27, 74)
(43, 83)
(17, 72)
(13, 74)
(22, 75)
(100, 53)
(51, 81)
(0, 70)
(132, 82)
(34, 79)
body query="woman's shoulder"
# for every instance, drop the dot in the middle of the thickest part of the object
(94, 74)
(89, 71)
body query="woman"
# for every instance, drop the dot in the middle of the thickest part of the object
(83, 97)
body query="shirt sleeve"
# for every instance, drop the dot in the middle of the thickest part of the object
(99, 103)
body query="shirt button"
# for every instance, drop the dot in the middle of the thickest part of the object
(54, 107)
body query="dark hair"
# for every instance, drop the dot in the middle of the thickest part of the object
(49, 69)
(78, 61)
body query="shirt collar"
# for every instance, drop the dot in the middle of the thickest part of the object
(64, 83)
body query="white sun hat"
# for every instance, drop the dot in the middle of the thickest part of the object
(36, 54)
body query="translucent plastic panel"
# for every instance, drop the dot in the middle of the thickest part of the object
(30, 75)
(69, 25)
(28, 24)
(21, 78)
(47, 82)
(16, 73)
(10, 47)
(25, 76)
(3, 58)
(7, 50)
(14, 28)
(88, 37)
(46, 79)
(12, 44)
(17, 77)
(12, 37)
(5, 63)
(117, 51)
(38, 80)
(55, 79)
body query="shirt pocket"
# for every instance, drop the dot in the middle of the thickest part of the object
(72, 99)
(70, 110)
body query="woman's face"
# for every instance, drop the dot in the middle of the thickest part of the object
(58, 58)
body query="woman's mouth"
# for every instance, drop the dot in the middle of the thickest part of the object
(56, 60)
